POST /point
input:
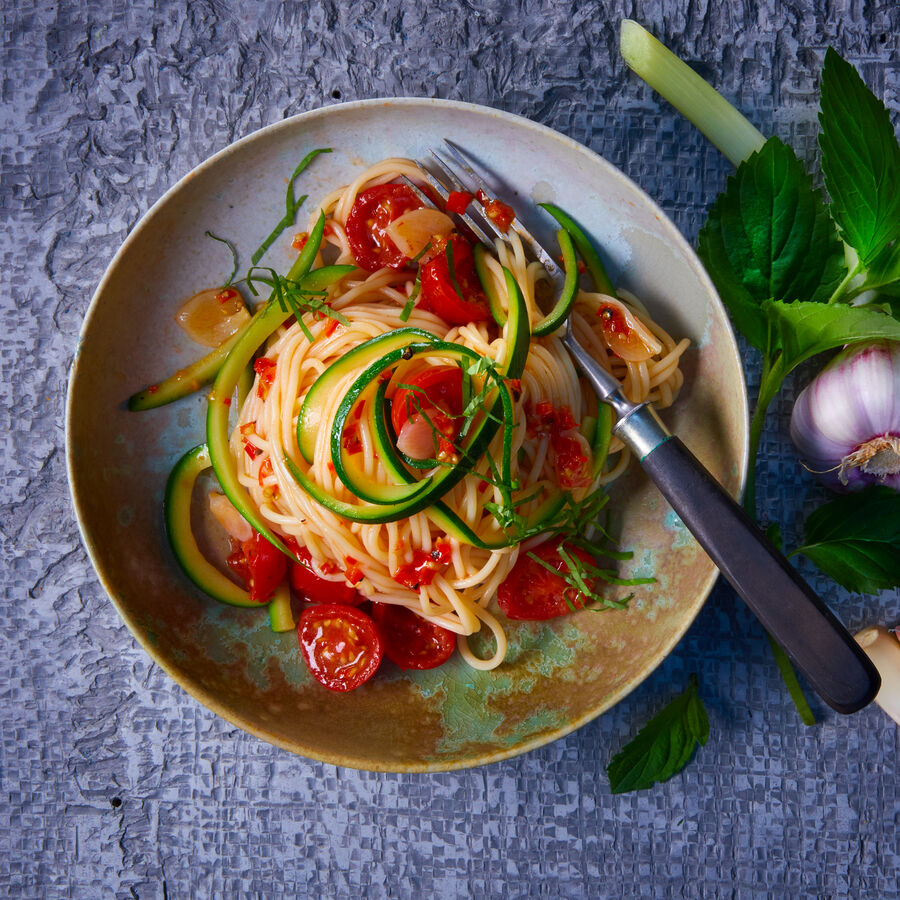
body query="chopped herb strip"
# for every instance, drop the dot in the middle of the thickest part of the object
(422, 252)
(451, 272)
(290, 205)
(291, 297)
(234, 256)
(411, 302)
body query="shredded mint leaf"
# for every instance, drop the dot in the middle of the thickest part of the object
(663, 746)
(769, 236)
(234, 255)
(860, 160)
(856, 540)
(804, 329)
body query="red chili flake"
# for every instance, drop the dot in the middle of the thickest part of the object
(614, 320)
(249, 427)
(482, 487)
(331, 327)
(329, 568)
(153, 389)
(265, 370)
(251, 449)
(497, 211)
(227, 401)
(331, 468)
(424, 566)
(353, 573)
(227, 294)
(299, 241)
(458, 201)
(265, 470)
(351, 441)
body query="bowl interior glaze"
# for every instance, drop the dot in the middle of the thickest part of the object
(558, 675)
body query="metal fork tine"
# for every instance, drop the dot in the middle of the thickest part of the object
(458, 154)
(462, 187)
(443, 193)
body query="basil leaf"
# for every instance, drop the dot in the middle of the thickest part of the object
(856, 540)
(663, 746)
(860, 160)
(768, 236)
(804, 329)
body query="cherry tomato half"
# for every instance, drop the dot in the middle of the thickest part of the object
(340, 645)
(439, 294)
(439, 387)
(313, 589)
(372, 211)
(261, 565)
(532, 593)
(411, 641)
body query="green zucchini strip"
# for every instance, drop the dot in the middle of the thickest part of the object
(563, 306)
(177, 515)
(585, 249)
(281, 616)
(487, 285)
(271, 317)
(602, 437)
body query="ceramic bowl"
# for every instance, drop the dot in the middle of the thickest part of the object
(559, 674)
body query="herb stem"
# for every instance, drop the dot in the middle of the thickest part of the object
(841, 289)
(769, 385)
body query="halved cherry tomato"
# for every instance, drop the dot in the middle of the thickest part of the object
(439, 294)
(372, 211)
(438, 387)
(411, 641)
(532, 593)
(341, 645)
(572, 456)
(314, 589)
(261, 565)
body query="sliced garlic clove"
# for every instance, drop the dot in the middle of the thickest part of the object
(411, 231)
(211, 317)
(883, 648)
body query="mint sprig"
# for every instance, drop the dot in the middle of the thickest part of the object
(664, 746)
(856, 540)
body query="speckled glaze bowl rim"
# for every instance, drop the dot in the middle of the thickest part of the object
(670, 233)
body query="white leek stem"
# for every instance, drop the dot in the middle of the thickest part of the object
(700, 103)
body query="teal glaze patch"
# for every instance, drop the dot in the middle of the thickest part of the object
(682, 537)
(465, 694)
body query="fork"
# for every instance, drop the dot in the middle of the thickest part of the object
(816, 642)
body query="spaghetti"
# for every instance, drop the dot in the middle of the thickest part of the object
(414, 562)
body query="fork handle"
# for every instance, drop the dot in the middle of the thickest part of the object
(817, 643)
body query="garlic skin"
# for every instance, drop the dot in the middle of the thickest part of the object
(846, 422)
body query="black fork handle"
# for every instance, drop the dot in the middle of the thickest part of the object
(816, 642)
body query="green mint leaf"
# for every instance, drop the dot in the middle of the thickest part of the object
(856, 540)
(769, 236)
(883, 273)
(804, 329)
(663, 746)
(860, 160)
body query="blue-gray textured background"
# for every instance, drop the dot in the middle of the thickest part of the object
(113, 782)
